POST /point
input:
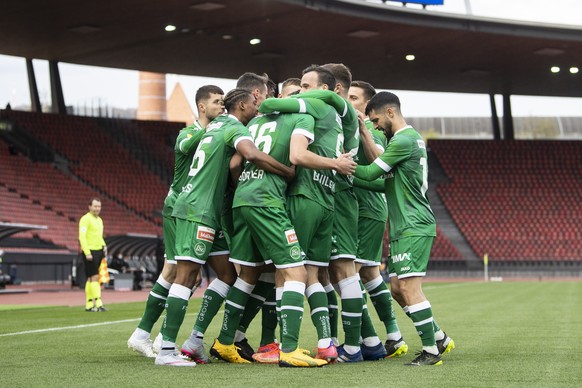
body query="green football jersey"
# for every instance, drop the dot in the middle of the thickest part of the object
(350, 127)
(186, 143)
(272, 134)
(317, 185)
(405, 164)
(371, 204)
(202, 198)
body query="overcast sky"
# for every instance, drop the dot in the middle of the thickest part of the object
(86, 85)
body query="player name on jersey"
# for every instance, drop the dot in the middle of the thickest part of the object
(325, 181)
(251, 174)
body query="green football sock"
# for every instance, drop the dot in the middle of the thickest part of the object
(318, 302)
(382, 301)
(234, 305)
(269, 320)
(176, 306)
(155, 305)
(333, 310)
(351, 296)
(368, 330)
(211, 303)
(421, 315)
(257, 298)
(291, 314)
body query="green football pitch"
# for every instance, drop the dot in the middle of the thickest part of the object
(506, 334)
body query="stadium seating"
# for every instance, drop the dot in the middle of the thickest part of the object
(98, 160)
(515, 200)
(37, 193)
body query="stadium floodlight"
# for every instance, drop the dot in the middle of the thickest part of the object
(410, 57)
(255, 41)
(555, 69)
(574, 70)
(170, 28)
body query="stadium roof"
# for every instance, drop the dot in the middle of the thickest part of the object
(454, 53)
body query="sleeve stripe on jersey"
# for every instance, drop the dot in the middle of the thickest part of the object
(304, 132)
(345, 109)
(382, 165)
(302, 106)
(182, 143)
(242, 138)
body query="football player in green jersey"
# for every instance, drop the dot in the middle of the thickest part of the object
(373, 214)
(210, 104)
(412, 222)
(311, 198)
(264, 234)
(344, 241)
(198, 207)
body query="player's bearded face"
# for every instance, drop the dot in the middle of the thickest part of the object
(387, 127)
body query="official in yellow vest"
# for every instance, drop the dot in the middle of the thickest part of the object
(93, 250)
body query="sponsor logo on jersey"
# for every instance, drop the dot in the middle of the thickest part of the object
(205, 234)
(325, 181)
(421, 144)
(200, 249)
(400, 257)
(295, 252)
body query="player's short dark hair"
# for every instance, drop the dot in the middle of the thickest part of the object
(367, 88)
(235, 96)
(382, 100)
(272, 87)
(251, 81)
(325, 76)
(291, 81)
(94, 199)
(204, 92)
(341, 72)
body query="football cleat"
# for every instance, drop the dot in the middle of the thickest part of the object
(395, 348)
(425, 358)
(195, 351)
(270, 357)
(228, 353)
(373, 353)
(328, 354)
(296, 359)
(101, 309)
(343, 356)
(141, 346)
(91, 310)
(245, 350)
(445, 345)
(173, 359)
(157, 345)
(268, 347)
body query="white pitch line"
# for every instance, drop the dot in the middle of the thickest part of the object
(75, 327)
(68, 327)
